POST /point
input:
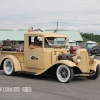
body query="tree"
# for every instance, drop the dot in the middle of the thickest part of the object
(90, 36)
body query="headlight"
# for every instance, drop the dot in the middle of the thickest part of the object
(93, 58)
(68, 48)
(76, 59)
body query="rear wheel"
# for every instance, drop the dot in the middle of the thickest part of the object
(8, 67)
(96, 74)
(64, 73)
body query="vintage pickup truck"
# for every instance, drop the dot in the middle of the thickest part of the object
(52, 59)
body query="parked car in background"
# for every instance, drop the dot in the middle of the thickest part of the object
(73, 46)
(95, 50)
(88, 45)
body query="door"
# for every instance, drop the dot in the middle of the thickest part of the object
(34, 58)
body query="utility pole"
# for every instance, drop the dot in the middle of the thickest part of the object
(56, 31)
(57, 27)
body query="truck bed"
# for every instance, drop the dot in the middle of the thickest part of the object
(19, 55)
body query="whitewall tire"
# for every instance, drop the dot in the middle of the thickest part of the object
(8, 67)
(64, 73)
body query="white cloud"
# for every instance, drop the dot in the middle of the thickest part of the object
(78, 14)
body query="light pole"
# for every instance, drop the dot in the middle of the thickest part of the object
(57, 27)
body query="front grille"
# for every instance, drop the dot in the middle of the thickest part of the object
(84, 63)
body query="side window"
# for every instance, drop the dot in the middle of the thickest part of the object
(35, 40)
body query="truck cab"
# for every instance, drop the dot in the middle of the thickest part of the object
(73, 46)
(89, 44)
(51, 57)
(35, 58)
(73, 43)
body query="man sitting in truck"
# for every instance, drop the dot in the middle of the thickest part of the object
(35, 44)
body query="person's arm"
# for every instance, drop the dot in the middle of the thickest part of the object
(33, 47)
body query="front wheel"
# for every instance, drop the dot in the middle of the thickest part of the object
(8, 67)
(64, 73)
(96, 74)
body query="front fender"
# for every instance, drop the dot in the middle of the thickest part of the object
(16, 62)
(93, 66)
(66, 62)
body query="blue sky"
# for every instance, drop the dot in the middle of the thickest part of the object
(82, 15)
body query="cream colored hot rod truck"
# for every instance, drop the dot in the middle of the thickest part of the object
(50, 57)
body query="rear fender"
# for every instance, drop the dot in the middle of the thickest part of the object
(16, 62)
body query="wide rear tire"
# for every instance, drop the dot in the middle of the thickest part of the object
(8, 67)
(64, 73)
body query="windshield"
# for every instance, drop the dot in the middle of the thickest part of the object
(91, 44)
(73, 43)
(56, 41)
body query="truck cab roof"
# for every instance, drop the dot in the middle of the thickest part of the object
(71, 41)
(45, 34)
(90, 42)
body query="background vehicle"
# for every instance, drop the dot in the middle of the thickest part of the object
(8, 45)
(50, 58)
(73, 46)
(89, 44)
(95, 50)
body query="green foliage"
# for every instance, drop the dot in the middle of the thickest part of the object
(90, 36)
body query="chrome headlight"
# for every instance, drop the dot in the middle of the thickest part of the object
(68, 48)
(76, 59)
(93, 58)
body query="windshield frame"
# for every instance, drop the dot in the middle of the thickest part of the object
(71, 43)
(90, 45)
